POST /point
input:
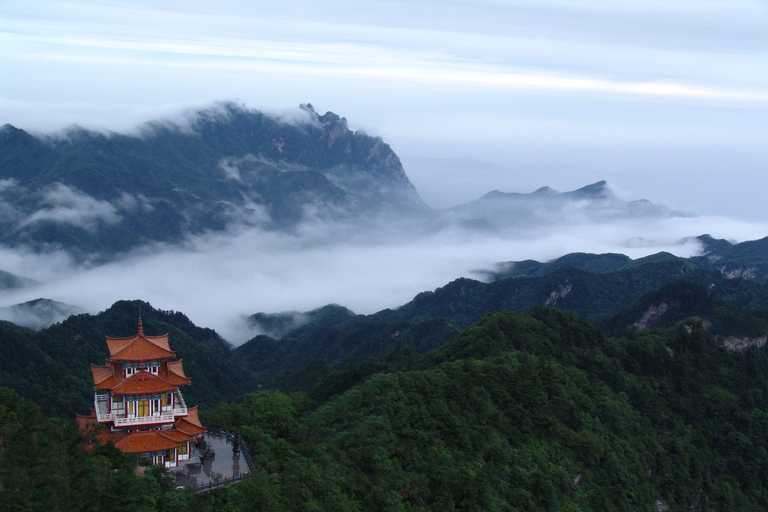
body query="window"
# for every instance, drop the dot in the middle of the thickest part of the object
(143, 409)
(117, 403)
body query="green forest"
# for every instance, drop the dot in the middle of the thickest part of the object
(644, 386)
(540, 411)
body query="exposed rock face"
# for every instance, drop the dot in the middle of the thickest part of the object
(737, 344)
(739, 272)
(558, 294)
(651, 317)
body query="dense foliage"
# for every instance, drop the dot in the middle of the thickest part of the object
(611, 290)
(44, 466)
(536, 412)
(53, 366)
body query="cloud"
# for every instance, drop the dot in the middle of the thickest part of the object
(231, 171)
(65, 205)
(133, 203)
(219, 279)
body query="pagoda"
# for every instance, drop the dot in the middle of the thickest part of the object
(137, 399)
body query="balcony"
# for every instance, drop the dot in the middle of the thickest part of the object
(119, 419)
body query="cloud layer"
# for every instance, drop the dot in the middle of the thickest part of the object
(219, 279)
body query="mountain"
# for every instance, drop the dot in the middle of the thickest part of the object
(616, 292)
(747, 259)
(107, 192)
(53, 366)
(593, 203)
(334, 336)
(737, 327)
(39, 313)
(228, 167)
(10, 281)
(533, 412)
(518, 412)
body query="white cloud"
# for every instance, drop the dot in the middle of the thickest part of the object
(65, 205)
(218, 279)
(664, 99)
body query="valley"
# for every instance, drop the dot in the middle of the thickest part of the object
(634, 377)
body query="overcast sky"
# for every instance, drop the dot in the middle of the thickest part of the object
(666, 100)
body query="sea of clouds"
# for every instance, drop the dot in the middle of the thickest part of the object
(219, 279)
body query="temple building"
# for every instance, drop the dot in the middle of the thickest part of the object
(138, 401)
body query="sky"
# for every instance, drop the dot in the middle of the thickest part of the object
(665, 100)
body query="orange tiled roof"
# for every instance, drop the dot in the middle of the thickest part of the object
(106, 377)
(84, 423)
(142, 383)
(141, 442)
(174, 373)
(177, 435)
(101, 373)
(177, 368)
(191, 423)
(139, 347)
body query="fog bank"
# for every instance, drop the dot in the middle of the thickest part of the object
(219, 279)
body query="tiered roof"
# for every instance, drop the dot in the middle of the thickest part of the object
(139, 347)
(173, 373)
(147, 442)
(106, 377)
(111, 378)
(170, 375)
(142, 383)
(191, 423)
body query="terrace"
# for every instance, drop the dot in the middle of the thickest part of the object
(225, 468)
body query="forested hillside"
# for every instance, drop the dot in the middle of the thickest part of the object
(53, 366)
(451, 402)
(611, 290)
(223, 166)
(534, 412)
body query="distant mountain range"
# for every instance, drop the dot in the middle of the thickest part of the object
(593, 203)
(727, 288)
(725, 293)
(100, 194)
(93, 192)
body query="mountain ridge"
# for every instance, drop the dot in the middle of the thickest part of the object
(97, 195)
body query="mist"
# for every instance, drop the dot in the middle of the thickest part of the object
(665, 101)
(219, 279)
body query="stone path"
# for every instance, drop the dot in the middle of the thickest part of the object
(226, 465)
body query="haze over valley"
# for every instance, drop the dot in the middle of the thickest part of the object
(227, 211)
(487, 255)
(132, 164)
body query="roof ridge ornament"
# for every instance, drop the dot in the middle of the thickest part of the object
(141, 328)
